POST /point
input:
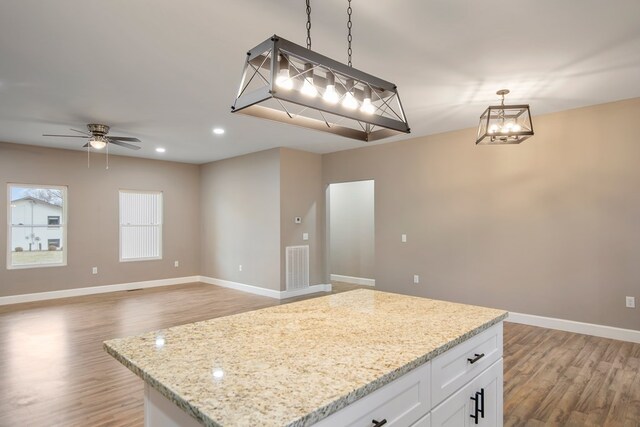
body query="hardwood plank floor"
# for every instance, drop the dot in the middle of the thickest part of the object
(55, 373)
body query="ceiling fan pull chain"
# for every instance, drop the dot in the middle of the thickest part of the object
(349, 36)
(88, 164)
(309, 24)
(107, 156)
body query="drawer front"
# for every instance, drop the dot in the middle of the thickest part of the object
(479, 403)
(456, 367)
(401, 403)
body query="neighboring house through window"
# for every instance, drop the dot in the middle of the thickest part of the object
(140, 225)
(37, 229)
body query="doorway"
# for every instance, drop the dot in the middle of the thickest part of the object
(351, 234)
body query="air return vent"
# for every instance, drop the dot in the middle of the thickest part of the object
(297, 267)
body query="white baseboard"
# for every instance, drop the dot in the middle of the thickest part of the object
(263, 291)
(355, 280)
(577, 327)
(310, 290)
(66, 293)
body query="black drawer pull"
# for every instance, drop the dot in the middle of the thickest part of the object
(476, 358)
(379, 423)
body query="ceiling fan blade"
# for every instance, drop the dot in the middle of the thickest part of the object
(124, 138)
(80, 131)
(85, 145)
(123, 144)
(66, 136)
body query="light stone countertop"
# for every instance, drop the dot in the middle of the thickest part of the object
(294, 364)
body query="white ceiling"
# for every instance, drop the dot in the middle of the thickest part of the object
(167, 71)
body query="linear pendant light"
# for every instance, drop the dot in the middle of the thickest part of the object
(288, 83)
(504, 124)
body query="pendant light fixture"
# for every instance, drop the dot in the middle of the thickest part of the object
(504, 124)
(286, 82)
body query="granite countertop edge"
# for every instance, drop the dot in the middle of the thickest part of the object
(322, 412)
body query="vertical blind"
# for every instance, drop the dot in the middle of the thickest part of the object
(140, 225)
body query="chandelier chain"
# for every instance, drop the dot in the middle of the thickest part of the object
(309, 24)
(349, 36)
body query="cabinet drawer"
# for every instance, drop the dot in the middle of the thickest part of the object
(401, 402)
(479, 403)
(454, 368)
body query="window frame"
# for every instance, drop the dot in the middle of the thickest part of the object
(49, 217)
(63, 225)
(161, 226)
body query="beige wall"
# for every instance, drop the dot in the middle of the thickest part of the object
(301, 194)
(549, 227)
(351, 229)
(93, 234)
(241, 219)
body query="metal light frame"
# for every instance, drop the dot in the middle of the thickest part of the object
(497, 115)
(260, 96)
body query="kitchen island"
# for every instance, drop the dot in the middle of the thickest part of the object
(357, 358)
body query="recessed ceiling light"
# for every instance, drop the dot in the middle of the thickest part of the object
(160, 150)
(218, 131)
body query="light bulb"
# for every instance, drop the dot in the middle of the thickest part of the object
(284, 80)
(516, 128)
(493, 128)
(349, 101)
(330, 94)
(507, 127)
(308, 87)
(97, 142)
(367, 107)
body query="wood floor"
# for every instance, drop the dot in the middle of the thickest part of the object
(55, 373)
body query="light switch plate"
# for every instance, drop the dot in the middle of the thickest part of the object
(297, 220)
(94, 270)
(631, 302)
(305, 236)
(404, 238)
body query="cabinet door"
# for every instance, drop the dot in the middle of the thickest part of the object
(479, 403)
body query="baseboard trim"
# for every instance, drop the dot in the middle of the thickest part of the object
(354, 280)
(577, 327)
(66, 293)
(263, 291)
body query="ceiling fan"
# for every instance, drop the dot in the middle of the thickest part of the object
(98, 138)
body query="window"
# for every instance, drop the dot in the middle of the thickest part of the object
(36, 217)
(140, 225)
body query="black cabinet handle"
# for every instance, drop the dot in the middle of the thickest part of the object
(478, 410)
(476, 358)
(379, 423)
(475, 408)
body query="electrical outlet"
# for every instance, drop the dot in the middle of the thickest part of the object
(240, 267)
(94, 270)
(176, 264)
(403, 238)
(631, 302)
(416, 279)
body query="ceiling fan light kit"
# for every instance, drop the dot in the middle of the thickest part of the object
(289, 83)
(504, 124)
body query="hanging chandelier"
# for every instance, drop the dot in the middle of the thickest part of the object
(288, 83)
(505, 124)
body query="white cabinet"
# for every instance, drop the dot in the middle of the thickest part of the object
(477, 403)
(461, 387)
(397, 404)
(456, 367)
